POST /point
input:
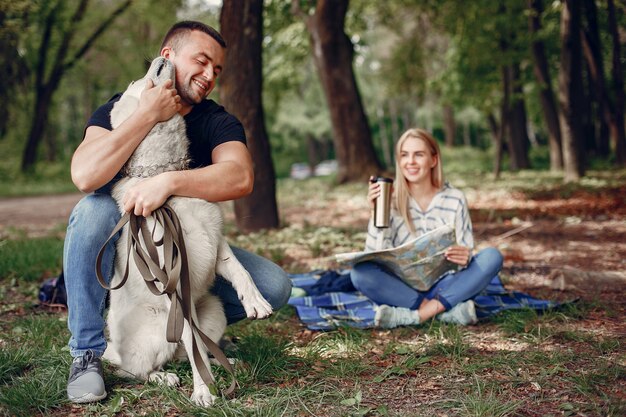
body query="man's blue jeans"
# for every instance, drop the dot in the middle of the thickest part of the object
(90, 225)
(383, 287)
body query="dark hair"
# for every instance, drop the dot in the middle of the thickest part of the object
(180, 30)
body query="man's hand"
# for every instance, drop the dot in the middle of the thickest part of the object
(459, 255)
(146, 196)
(160, 102)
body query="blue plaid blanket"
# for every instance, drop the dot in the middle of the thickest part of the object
(332, 302)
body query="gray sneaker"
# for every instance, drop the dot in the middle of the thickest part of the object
(85, 384)
(463, 313)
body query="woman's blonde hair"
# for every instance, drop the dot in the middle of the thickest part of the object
(401, 194)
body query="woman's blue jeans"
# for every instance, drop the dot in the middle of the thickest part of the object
(383, 287)
(90, 225)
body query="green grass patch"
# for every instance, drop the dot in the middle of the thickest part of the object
(30, 259)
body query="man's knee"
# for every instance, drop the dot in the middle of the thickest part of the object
(278, 293)
(94, 214)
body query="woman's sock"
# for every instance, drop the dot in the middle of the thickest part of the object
(463, 313)
(389, 317)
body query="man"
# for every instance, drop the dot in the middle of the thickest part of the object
(221, 169)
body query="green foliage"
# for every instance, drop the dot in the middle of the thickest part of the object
(30, 259)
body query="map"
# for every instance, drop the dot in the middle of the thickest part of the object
(419, 262)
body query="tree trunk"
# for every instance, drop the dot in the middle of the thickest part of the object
(497, 132)
(592, 50)
(449, 126)
(467, 137)
(241, 23)
(546, 96)
(503, 133)
(617, 130)
(313, 152)
(518, 137)
(589, 109)
(570, 91)
(332, 54)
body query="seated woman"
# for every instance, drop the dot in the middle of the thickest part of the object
(421, 203)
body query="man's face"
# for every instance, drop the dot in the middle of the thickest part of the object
(198, 63)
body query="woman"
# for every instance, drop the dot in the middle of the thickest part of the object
(421, 203)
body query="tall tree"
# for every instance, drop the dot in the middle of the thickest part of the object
(546, 95)
(517, 121)
(241, 23)
(48, 75)
(618, 87)
(570, 91)
(592, 51)
(13, 69)
(449, 125)
(332, 54)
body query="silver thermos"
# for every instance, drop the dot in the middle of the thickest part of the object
(382, 204)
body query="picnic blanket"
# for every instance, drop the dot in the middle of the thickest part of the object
(331, 301)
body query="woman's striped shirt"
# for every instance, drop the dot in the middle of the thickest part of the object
(448, 206)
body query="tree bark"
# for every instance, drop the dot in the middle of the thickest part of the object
(617, 73)
(592, 50)
(332, 54)
(570, 91)
(313, 151)
(546, 96)
(449, 126)
(503, 131)
(517, 121)
(45, 89)
(467, 136)
(497, 132)
(241, 23)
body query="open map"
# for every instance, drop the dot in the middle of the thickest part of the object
(420, 262)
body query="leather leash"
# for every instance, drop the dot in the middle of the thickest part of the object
(174, 271)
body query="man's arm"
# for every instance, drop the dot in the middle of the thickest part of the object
(103, 152)
(231, 176)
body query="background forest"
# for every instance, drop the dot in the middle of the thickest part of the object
(538, 84)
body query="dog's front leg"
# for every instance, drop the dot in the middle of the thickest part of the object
(231, 269)
(201, 392)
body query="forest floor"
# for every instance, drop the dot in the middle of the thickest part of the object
(559, 243)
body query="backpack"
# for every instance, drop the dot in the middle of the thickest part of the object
(52, 291)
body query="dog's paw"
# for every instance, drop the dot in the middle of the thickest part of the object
(202, 396)
(164, 378)
(255, 305)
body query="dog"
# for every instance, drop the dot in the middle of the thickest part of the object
(137, 318)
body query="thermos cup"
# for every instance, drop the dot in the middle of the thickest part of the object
(382, 204)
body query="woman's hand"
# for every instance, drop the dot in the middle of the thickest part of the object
(459, 255)
(373, 192)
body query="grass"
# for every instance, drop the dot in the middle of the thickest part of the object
(336, 373)
(519, 363)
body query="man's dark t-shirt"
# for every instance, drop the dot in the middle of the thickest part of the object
(208, 125)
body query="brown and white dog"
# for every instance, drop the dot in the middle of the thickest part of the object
(137, 318)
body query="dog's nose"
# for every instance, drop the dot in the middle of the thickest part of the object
(160, 68)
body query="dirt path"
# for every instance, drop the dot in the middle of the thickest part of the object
(36, 216)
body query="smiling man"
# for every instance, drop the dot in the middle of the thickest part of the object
(221, 169)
